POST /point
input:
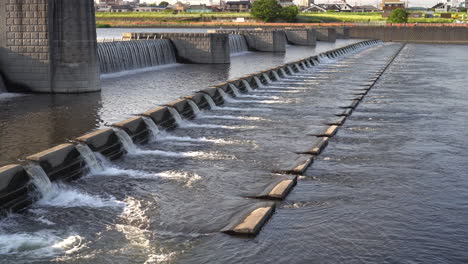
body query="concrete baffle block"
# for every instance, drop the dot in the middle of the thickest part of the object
(326, 34)
(103, 141)
(14, 189)
(136, 128)
(62, 162)
(303, 37)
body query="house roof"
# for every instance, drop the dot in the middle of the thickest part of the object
(237, 2)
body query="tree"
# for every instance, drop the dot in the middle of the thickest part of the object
(398, 16)
(164, 4)
(266, 10)
(289, 13)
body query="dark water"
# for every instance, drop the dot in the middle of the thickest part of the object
(32, 123)
(390, 188)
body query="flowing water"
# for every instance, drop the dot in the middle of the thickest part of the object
(237, 44)
(118, 56)
(390, 188)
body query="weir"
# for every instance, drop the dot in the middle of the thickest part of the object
(71, 161)
(192, 47)
(120, 56)
(36, 55)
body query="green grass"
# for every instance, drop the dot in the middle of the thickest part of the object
(341, 17)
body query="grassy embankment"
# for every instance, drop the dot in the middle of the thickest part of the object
(142, 19)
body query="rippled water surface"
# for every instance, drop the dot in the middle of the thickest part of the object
(390, 188)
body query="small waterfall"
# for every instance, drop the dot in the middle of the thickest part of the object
(226, 97)
(308, 64)
(237, 44)
(90, 158)
(153, 128)
(276, 75)
(39, 179)
(290, 70)
(126, 141)
(259, 83)
(120, 56)
(180, 122)
(235, 90)
(210, 101)
(283, 72)
(304, 65)
(195, 108)
(247, 86)
(267, 78)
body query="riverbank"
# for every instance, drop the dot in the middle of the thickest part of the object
(155, 19)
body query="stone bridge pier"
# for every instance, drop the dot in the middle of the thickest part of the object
(48, 46)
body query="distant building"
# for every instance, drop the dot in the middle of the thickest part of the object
(149, 9)
(337, 6)
(388, 5)
(284, 3)
(198, 9)
(179, 7)
(238, 6)
(365, 8)
(449, 5)
(121, 8)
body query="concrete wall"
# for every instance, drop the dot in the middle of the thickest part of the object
(262, 40)
(48, 46)
(417, 34)
(306, 37)
(210, 48)
(326, 34)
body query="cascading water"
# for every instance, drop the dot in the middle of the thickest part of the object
(210, 101)
(267, 78)
(39, 178)
(276, 75)
(129, 55)
(126, 141)
(195, 108)
(226, 97)
(235, 90)
(180, 122)
(237, 44)
(90, 158)
(247, 86)
(153, 128)
(290, 70)
(304, 65)
(283, 72)
(259, 83)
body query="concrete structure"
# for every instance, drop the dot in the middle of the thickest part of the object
(304, 37)
(415, 34)
(65, 163)
(388, 5)
(262, 40)
(193, 47)
(48, 46)
(326, 34)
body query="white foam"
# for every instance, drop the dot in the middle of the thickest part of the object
(231, 117)
(142, 70)
(60, 195)
(45, 243)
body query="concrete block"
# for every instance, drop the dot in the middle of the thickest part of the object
(297, 166)
(345, 112)
(305, 37)
(136, 128)
(250, 221)
(328, 132)
(199, 100)
(214, 94)
(279, 189)
(337, 122)
(183, 107)
(103, 141)
(326, 34)
(318, 146)
(353, 105)
(62, 162)
(15, 185)
(162, 117)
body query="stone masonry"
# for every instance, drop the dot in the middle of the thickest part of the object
(262, 40)
(48, 46)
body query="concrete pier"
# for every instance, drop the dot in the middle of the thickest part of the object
(262, 40)
(48, 46)
(326, 34)
(204, 48)
(305, 37)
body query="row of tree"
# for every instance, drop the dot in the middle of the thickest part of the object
(271, 11)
